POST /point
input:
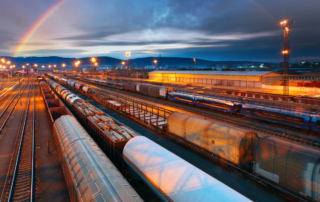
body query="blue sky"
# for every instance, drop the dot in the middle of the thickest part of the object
(206, 29)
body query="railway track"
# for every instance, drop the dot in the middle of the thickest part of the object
(19, 184)
(217, 117)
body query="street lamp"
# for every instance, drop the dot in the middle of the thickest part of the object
(63, 65)
(3, 60)
(123, 63)
(155, 63)
(77, 63)
(195, 63)
(128, 54)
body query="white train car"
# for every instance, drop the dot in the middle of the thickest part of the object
(172, 178)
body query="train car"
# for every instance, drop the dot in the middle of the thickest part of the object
(307, 100)
(290, 165)
(153, 90)
(72, 98)
(89, 173)
(59, 88)
(54, 105)
(181, 96)
(85, 89)
(65, 93)
(219, 102)
(129, 87)
(289, 114)
(172, 178)
(79, 86)
(231, 143)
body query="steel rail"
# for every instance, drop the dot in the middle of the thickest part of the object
(19, 150)
(13, 156)
(9, 104)
(11, 89)
(33, 144)
(5, 122)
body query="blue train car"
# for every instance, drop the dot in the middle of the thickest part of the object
(315, 122)
(217, 101)
(180, 96)
(289, 114)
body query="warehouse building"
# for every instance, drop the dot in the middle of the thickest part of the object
(253, 79)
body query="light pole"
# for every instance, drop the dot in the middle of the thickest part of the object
(123, 63)
(155, 63)
(195, 63)
(77, 63)
(128, 54)
(63, 66)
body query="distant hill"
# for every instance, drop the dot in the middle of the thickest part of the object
(109, 61)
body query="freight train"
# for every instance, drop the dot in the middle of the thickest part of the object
(289, 165)
(77, 148)
(271, 109)
(89, 173)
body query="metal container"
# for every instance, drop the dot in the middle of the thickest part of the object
(59, 89)
(89, 173)
(228, 142)
(291, 165)
(72, 98)
(85, 89)
(173, 178)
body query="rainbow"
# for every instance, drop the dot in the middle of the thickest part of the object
(35, 26)
(263, 9)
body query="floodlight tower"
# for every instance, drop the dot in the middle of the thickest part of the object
(286, 25)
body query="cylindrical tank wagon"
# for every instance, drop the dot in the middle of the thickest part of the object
(231, 143)
(90, 175)
(289, 165)
(171, 177)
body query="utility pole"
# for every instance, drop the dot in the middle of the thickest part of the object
(286, 25)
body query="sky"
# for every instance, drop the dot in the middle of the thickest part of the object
(218, 30)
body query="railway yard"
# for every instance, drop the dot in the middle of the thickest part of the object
(86, 139)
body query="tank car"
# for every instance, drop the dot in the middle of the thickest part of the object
(231, 143)
(171, 177)
(89, 173)
(290, 165)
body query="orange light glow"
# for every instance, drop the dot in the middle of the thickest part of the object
(93, 60)
(155, 61)
(128, 53)
(285, 52)
(123, 63)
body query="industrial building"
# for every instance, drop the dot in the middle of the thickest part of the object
(253, 79)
